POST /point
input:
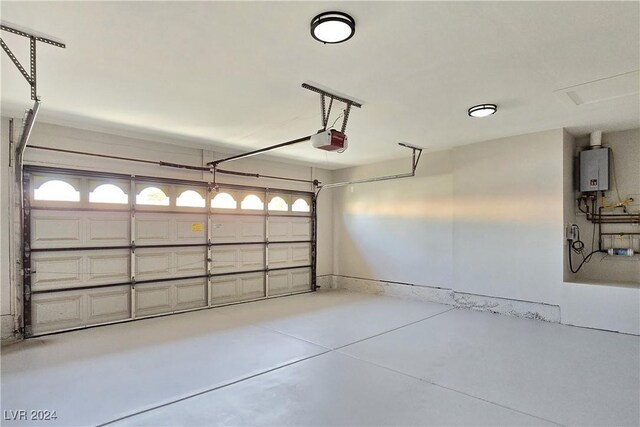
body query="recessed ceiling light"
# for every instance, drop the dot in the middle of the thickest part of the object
(482, 110)
(332, 27)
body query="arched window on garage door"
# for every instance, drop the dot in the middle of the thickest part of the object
(108, 193)
(152, 196)
(56, 190)
(224, 201)
(278, 204)
(300, 205)
(190, 198)
(252, 202)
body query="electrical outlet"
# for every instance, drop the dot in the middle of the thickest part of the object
(571, 233)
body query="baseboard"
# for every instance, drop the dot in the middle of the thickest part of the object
(509, 307)
(326, 282)
(7, 332)
(506, 306)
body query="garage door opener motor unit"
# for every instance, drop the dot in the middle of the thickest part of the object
(330, 140)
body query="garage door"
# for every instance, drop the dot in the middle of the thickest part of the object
(111, 248)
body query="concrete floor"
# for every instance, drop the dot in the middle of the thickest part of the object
(334, 358)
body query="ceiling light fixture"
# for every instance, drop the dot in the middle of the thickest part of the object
(333, 27)
(482, 110)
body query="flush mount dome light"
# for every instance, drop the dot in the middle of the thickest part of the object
(482, 110)
(333, 27)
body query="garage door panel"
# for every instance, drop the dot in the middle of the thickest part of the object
(152, 229)
(191, 294)
(252, 286)
(236, 258)
(64, 229)
(190, 261)
(50, 229)
(79, 308)
(289, 228)
(59, 308)
(278, 256)
(153, 264)
(251, 258)
(224, 259)
(56, 270)
(223, 230)
(56, 311)
(301, 229)
(191, 229)
(109, 305)
(233, 288)
(224, 289)
(279, 282)
(153, 298)
(168, 229)
(112, 231)
(289, 281)
(301, 280)
(113, 267)
(301, 254)
(165, 263)
(167, 297)
(237, 228)
(289, 255)
(251, 229)
(278, 229)
(64, 269)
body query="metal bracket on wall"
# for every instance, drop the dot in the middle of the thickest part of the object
(33, 38)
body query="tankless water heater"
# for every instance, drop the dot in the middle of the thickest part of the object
(594, 169)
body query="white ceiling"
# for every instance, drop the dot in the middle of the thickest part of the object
(228, 74)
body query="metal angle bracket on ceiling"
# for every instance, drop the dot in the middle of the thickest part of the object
(327, 112)
(415, 150)
(30, 77)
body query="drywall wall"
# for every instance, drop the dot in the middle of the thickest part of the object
(508, 217)
(625, 148)
(568, 194)
(609, 307)
(483, 221)
(6, 317)
(396, 230)
(48, 135)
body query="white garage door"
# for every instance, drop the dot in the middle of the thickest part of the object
(112, 248)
